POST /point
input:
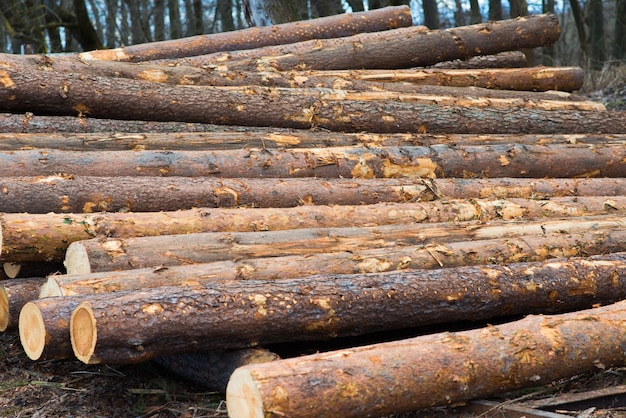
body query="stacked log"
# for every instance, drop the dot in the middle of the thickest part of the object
(302, 184)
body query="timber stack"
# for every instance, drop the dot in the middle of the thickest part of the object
(352, 182)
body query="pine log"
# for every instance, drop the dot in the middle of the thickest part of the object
(506, 59)
(292, 108)
(28, 237)
(432, 370)
(326, 27)
(212, 369)
(415, 81)
(465, 161)
(276, 138)
(455, 254)
(30, 123)
(75, 194)
(44, 328)
(396, 48)
(14, 294)
(109, 254)
(135, 326)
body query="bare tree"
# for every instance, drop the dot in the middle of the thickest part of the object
(495, 10)
(431, 14)
(619, 45)
(476, 16)
(595, 22)
(270, 12)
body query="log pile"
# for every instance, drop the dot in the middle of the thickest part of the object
(223, 195)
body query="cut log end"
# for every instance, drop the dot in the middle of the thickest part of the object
(11, 269)
(50, 289)
(76, 259)
(243, 398)
(32, 329)
(83, 333)
(4, 309)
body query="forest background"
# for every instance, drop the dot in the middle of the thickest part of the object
(593, 31)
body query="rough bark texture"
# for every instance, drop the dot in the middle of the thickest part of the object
(465, 161)
(437, 369)
(455, 254)
(275, 138)
(45, 237)
(398, 48)
(69, 94)
(506, 59)
(74, 194)
(212, 369)
(44, 328)
(99, 254)
(14, 294)
(135, 326)
(327, 27)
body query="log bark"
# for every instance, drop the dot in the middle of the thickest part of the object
(506, 59)
(69, 94)
(40, 268)
(44, 328)
(111, 254)
(465, 161)
(212, 369)
(397, 48)
(275, 138)
(14, 294)
(28, 237)
(135, 326)
(326, 27)
(432, 370)
(75, 194)
(415, 81)
(449, 255)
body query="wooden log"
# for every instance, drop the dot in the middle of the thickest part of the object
(111, 254)
(275, 138)
(212, 369)
(293, 108)
(326, 27)
(28, 237)
(14, 294)
(44, 328)
(415, 81)
(465, 161)
(75, 194)
(437, 369)
(506, 59)
(36, 268)
(397, 48)
(454, 254)
(135, 326)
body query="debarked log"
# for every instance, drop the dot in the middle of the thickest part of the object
(76, 194)
(135, 326)
(108, 254)
(268, 138)
(38, 92)
(402, 48)
(454, 254)
(432, 370)
(28, 237)
(466, 161)
(326, 27)
(14, 294)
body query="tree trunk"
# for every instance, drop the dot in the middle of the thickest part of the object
(396, 48)
(619, 44)
(527, 79)
(14, 294)
(495, 10)
(269, 138)
(432, 370)
(594, 17)
(435, 256)
(270, 12)
(465, 161)
(136, 326)
(71, 94)
(507, 59)
(150, 194)
(111, 254)
(28, 237)
(328, 27)
(431, 14)
(44, 328)
(580, 26)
